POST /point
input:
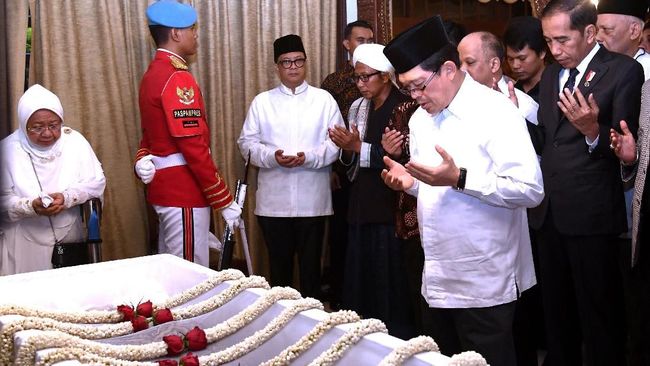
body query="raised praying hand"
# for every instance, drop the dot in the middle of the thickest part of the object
(623, 144)
(395, 175)
(582, 113)
(445, 174)
(345, 139)
(392, 142)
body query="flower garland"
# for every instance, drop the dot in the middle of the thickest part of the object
(349, 339)
(469, 358)
(49, 339)
(85, 331)
(27, 350)
(250, 343)
(292, 352)
(113, 316)
(78, 354)
(231, 353)
(200, 289)
(413, 346)
(119, 329)
(210, 304)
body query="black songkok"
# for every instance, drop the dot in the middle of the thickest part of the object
(416, 44)
(286, 44)
(635, 8)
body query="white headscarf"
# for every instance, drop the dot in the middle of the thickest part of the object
(372, 55)
(34, 99)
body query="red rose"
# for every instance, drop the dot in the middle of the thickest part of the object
(175, 344)
(167, 363)
(145, 309)
(196, 340)
(127, 312)
(139, 323)
(162, 316)
(189, 360)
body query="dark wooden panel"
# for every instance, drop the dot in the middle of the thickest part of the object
(377, 13)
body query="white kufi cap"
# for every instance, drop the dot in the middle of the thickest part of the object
(372, 54)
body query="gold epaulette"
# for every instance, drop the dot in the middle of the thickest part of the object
(177, 63)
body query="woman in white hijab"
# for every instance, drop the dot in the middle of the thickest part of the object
(46, 171)
(374, 283)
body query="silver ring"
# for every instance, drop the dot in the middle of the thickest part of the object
(611, 146)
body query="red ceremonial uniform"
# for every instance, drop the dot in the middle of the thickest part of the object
(173, 120)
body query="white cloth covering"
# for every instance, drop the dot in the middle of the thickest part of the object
(294, 122)
(101, 286)
(476, 242)
(69, 167)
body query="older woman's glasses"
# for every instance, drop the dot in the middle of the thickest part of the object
(299, 62)
(418, 88)
(54, 127)
(363, 77)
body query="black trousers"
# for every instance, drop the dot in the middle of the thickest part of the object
(288, 236)
(582, 298)
(636, 282)
(413, 255)
(487, 331)
(528, 325)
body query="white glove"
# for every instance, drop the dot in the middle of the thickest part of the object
(232, 215)
(145, 169)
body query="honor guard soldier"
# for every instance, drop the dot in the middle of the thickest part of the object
(174, 156)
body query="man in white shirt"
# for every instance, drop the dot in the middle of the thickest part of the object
(286, 134)
(481, 56)
(474, 171)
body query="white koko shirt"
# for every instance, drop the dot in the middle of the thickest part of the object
(476, 242)
(293, 122)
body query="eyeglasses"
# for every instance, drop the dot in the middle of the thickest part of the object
(55, 127)
(420, 89)
(299, 62)
(355, 78)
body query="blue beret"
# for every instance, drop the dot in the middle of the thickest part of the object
(171, 14)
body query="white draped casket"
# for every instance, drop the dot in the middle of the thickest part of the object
(104, 286)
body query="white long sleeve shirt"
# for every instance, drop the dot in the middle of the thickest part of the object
(71, 169)
(476, 241)
(294, 122)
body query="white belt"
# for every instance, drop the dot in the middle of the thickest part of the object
(162, 162)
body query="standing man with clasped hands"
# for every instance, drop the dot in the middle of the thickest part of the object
(584, 94)
(285, 133)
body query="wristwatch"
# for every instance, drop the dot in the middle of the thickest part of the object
(462, 177)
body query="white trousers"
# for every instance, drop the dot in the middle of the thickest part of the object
(184, 232)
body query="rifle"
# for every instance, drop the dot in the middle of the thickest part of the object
(225, 259)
